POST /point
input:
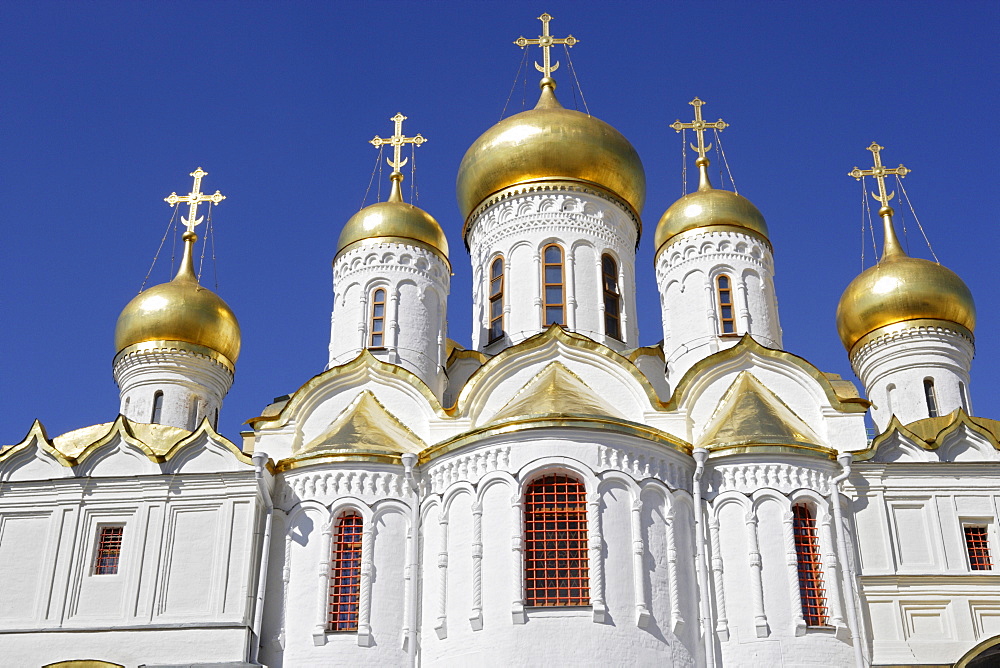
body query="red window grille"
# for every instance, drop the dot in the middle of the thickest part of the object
(109, 550)
(556, 567)
(727, 321)
(345, 576)
(977, 544)
(810, 567)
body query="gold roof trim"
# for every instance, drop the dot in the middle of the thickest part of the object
(160, 443)
(928, 433)
(749, 415)
(334, 457)
(916, 323)
(590, 422)
(560, 334)
(160, 345)
(644, 351)
(366, 426)
(844, 404)
(555, 390)
(364, 360)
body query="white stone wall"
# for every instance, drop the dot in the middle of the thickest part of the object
(922, 602)
(187, 572)
(193, 386)
(518, 227)
(686, 272)
(894, 367)
(417, 282)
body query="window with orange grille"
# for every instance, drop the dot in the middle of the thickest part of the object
(810, 566)
(612, 298)
(345, 575)
(977, 544)
(376, 336)
(556, 567)
(496, 299)
(109, 550)
(553, 287)
(727, 320)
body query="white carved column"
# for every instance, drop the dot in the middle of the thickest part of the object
(756, 583)
(792, 564)
(393, 329)
(743, 306)
(638, 549)
(517, 565)
(569, 281)
(365, 586)
(539, 286)
(322, 612)
(596, 563)
(832, 567)
(721, 621)
(441, 627)
(476, 619)
(676, 621)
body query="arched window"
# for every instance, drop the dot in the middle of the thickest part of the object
(931, 396)
(556, 567)
(724, 290)
(811, 589)
(376, 337)
(496, 299)
(963, 392)
(612, 298)
(553, 287)
(345, 574)
(157, 407)
(193, 417)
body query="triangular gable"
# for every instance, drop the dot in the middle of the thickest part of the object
(555, 391)
(750, 414)
(366, 426)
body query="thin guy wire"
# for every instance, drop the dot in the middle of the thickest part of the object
(211, 230)
(864, 207)
(718, 141)
(514, 85)
(573, 71)
(378, 161)
(204, 244)
(157, 254)
(684, 161)
(173, 250)
(921, 227)
(380, 174)
(871, 225)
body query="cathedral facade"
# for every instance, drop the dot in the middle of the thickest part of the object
(554, 494)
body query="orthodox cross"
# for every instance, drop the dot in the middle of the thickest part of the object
(699, 126)
(879, 172)
(194, 198)
(546, 41)
(397, 140)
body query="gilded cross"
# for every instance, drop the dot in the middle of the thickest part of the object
(194, 198)
(879, 172)
(397, 140)
(699, 126)
(546, 41)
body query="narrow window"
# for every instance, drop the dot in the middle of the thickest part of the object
(612, 298)
(345, 577)
(157, 407)
(553, 287)
(932, 406)
(978, 546)
(810, 566)
(889, 392)
(377, 329)
(727, 322)
(109, 550)
(496, 299)
(215, 419)
(963, 391)
(556, 567)
(193, 418)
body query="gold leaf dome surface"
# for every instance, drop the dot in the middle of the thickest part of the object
(550, 143)
(901, 288)
(709, 207)
(394, 219)
(180, 310)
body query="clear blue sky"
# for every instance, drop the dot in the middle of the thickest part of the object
(106, 107)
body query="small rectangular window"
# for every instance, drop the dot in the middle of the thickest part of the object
(109, 550)
(977, 545)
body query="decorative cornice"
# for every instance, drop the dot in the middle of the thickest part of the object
(906, 329)
(151, 348)
(929, 433)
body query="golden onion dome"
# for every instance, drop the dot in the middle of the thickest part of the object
(394, 220)
(708, 207)
(550, 143)
(180, 310)
(901, 289)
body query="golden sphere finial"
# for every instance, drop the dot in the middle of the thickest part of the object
(547, 81)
